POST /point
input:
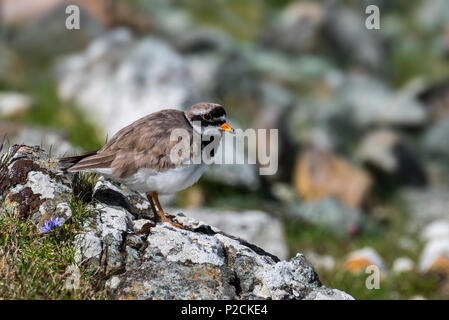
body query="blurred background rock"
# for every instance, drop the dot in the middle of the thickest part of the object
(363, 117)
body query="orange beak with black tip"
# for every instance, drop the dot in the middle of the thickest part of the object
(226, 127)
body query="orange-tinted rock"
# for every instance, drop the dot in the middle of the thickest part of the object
(359, 260)
(356, 265)
(440, 266)
(322, 174)
(110, 13)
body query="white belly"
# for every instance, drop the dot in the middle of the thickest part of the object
(166, 182)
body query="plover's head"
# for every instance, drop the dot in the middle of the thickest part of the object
(208, 118)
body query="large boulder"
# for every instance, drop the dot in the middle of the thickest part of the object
(119, 79)
(255, 226)
(144, 259)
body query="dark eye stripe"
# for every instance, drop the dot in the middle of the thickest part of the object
(205, 123)
(218, 112)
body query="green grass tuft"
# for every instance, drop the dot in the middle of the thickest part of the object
(35, 265)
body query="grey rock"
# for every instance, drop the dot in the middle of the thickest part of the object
(376, 149)
(368, 254)
(159, 261)
(434, 96)
(437, 229)
(13, 103)
(223, 74)
(352, 39)
(88, 248)
(45, 35)
(321, 262)
(372, 103)
(393, 155)
(53, 141)
(426, 205)
(298, 70)
(204, 69)
(328, 213)
(402, 265)
(435, 139)
(433, 251)
(297, 27)
(230, 269)
(432, 15)
(31, 186)
(177, 26)
(119, 79)
(252, 225)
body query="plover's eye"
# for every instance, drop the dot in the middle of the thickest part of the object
(207, 117)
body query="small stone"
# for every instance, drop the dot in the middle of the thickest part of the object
(321, 262)
(402, 265)
(12, 103)
(438, 229)
(113, 283)
(359, 260)
(435, 257)
(141, 224)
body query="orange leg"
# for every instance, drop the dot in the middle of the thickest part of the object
(154, 196)
(150, 200)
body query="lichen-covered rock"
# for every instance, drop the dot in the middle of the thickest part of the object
(31, 186)
(140, 258)
(198, 264)
(255, 226)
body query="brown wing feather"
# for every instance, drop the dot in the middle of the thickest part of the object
(142, 144)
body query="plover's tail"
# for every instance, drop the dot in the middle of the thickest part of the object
(67, 163)
(93, 161)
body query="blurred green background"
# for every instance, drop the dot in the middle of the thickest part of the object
(363, 115)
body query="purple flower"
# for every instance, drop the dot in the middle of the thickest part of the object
(53, 223)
